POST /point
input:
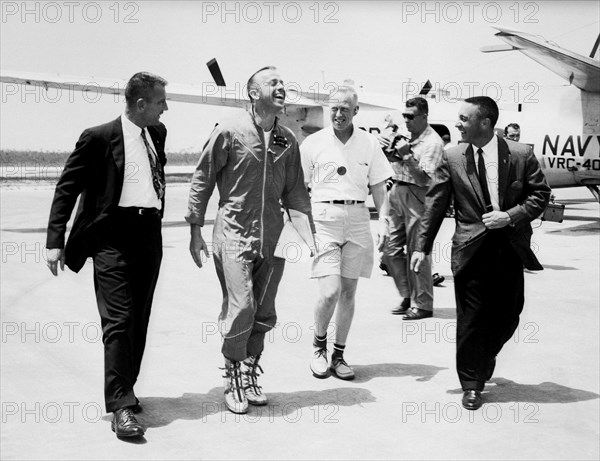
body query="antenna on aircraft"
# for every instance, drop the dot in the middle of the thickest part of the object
(215, 71)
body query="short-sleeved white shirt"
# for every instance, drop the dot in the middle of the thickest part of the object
(324, 156)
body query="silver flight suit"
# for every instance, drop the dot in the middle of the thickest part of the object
(253, 182)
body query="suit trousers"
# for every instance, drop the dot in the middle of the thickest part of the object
(407, 205)
(489, 300)
(127, 260)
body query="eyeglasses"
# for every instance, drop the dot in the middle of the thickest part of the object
(410, 116)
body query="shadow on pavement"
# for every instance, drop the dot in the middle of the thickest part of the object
(444, 313)
(582, 229)
(555, 267)
(161, 411)
(506, 391)
(365, 373)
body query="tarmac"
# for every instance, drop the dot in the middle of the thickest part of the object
(542, 403)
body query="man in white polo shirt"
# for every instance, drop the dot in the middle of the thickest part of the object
(341, 164)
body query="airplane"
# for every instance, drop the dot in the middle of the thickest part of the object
(566, 143)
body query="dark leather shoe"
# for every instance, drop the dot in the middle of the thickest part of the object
(417, 314)
(437, 279)
(124, 424)
(472, 399)
(137, 408)
(402, 308)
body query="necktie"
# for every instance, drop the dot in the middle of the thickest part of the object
(483, 181)
(156, 168)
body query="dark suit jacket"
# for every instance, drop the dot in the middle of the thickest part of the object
(522, 190)
(95, 170)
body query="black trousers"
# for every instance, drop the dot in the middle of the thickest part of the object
(489, 300)
(126, 266)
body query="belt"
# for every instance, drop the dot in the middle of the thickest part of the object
(134, 210)
(344, 202)
(403, 183)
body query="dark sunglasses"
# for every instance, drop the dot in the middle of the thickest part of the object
(410, 116)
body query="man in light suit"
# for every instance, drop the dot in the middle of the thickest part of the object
(498, 189)
(118, 170)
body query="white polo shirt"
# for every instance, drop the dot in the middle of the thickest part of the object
(337, 171)
(138, 189)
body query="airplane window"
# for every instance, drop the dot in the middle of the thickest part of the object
(440, 129)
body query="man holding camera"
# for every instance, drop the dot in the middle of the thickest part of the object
(414, 163)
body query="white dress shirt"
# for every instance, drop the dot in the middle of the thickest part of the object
(138, 189)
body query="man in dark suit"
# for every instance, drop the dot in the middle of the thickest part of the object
(118, 170)
(498, 189)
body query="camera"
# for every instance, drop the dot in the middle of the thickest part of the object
(397, 142)
(394, 140)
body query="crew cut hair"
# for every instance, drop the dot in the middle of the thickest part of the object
(141, 85)
(420, 103)
(251, 82)
(486, 107)
(342, 90)
(511, 125)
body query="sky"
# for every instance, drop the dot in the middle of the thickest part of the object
(381, 45)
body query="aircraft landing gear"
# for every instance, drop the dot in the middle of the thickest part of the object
(595, 192)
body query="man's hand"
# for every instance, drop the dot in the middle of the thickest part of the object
(384, 233)
(416, 259)
(197, 245)
(403, 151)
(384, 142)
(400, 152)
(496, 219)
(54, 256)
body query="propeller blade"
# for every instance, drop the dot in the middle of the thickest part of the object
(426, 88)
(215, 71)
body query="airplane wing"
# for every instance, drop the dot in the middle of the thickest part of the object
(581, 71)
(303, 113)
(208, 93)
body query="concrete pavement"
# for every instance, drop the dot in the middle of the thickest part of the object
(543, 402)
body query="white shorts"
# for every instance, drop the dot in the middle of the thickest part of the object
(344, 241)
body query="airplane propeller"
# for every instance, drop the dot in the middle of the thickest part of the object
(426, 88)
(215, 71)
